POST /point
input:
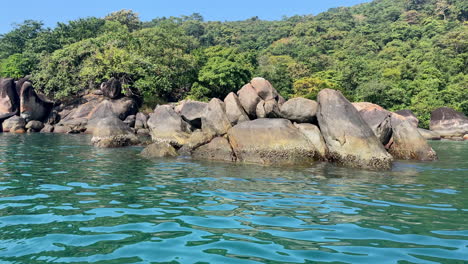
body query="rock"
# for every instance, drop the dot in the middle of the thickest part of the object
(53, 118)
(112, 88)
(124, 107)
(300, 110)
(77, 125)
(32, 105)
(14, 124)
(313, 134)
(9, 100)
(159, 150)
(234, 110)
(428, 135)
(378, 119)
(20, 83)
(102, 110)
(249, 100)
(465, 137)
(218, 149)
(143, 131)
(192, 111)
(61, 129)
(111, 132)
(408, 144)
(140, 121)
(449, 123)
(410, 116)
(196, 139)
(97, 92)
(281, 100)
(130, 120)
(268, 109)
(167, 126)
(214, 118)
(34, 126)
(270, 141)
(47, 129)
(264, 89)
(349, 139)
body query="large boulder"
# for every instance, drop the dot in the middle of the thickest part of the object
(234, 110)
(408, 144)
(300, 110)
(34, 126)
(410, 116)
(167, 126)
(192, 112)
(264, 89)
(141, 120)
(33, 105)
(268, 109)
(9, 100)
(313, 134)
(218, 149)
(349, 139)
(111, 132)
(249, 99)
(196, 139)
(112, 88)
(47, 129)
(159, 150)
(14, 124)
(124, 107)
(270, 141)
(428, 135)
(214, 118)
(448, 123)
(378, 119)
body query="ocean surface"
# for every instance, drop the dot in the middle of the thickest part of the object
(64, 201)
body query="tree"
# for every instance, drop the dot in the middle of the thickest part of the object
(15, 40)
(127, 18)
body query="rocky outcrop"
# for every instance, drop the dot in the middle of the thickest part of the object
(429, 135)
(34, 126)
(408, 144)
(300, 110)
(9, 100)
(249, 100)
(14, 124)
(349, 139)
(32, 105)
(112, 88)
(270, 141)
(167, 126)
(234, 110)
(195, 140)
(191, 112)
(313, 134)
(159, 150)
(410, 116)
(111, 132)
(449, 123)
(218, 149)
(264, 89)
(214, 118)
(378, 119)
(268, 109)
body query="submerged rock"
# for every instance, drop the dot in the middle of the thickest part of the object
(300, 110)
(159, 150)
(349, 138)
(111, 132)
(270, 141)
(218, 149)
(449, 123)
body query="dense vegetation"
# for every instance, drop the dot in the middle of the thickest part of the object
(396, 53)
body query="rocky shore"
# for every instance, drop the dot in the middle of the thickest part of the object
(254, 125)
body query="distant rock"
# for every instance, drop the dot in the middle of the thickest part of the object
(349, 138)
(448, 123)
(300, 110)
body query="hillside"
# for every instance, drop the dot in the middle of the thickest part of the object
(396, 53)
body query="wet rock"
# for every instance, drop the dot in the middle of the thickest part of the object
(234, 110)
(159, 150)
(112, 88)
(349, 139)
(270, 141)
(111, 132)
(410, 116)
(14, 124)
(9, 100)
(34, 126)
(218, 149)
(214, 118)
(32, 105)
(313, 134)
(192, 112)
(62, 129)
(167, 126)
(47, 129)
(300, 110)
(249, 100)
(428, 135)
(449, 123)
(378, 119)
(264, 89)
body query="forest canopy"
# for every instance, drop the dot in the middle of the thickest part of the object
(400, 54)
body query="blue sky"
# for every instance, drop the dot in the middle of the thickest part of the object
(53, 11)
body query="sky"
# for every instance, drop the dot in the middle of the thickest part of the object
(52, 11)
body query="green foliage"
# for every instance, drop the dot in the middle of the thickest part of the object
(16, 66)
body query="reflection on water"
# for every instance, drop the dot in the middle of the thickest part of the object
(64, 201)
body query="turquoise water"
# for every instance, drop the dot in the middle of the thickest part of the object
(64, 201)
